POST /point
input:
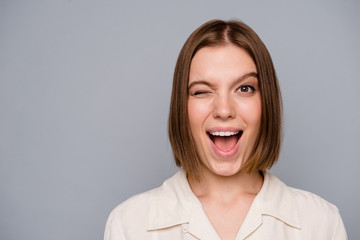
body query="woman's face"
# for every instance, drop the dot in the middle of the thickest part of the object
(224, 107)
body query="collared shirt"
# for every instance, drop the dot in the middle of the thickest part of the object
(173, 212)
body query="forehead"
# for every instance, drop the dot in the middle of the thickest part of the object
(220, 62)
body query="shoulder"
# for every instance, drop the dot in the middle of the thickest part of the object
(130, 217)
(318, 218)
(306, 202)
(142, 212)
(139, 204)
(313, 202)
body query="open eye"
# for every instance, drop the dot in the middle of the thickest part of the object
(246, 89)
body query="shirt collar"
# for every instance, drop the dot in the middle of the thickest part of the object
(174, 203)
(277, 200)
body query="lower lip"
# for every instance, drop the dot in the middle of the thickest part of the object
(223, 154)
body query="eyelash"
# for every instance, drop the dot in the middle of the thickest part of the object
(249, 89)
(199, 92)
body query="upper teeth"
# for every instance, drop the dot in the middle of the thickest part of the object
(224, 133)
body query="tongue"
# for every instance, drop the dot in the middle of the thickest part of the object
(225, 144)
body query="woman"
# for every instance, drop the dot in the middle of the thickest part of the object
(225, 129)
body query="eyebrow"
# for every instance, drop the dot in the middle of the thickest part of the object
(242, 78)
(247, 75)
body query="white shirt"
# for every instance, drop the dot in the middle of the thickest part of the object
(173, 212)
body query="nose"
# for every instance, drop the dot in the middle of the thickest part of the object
(224, 107)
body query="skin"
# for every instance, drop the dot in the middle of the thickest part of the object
(224, 94)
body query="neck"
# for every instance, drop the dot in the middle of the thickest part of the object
(226, 187)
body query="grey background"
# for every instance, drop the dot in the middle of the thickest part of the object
(85, 89)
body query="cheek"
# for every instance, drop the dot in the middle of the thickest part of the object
(251, 113)
(198, 111)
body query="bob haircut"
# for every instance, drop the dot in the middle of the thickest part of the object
(267, 145)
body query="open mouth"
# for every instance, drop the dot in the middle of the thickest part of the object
(225, 141)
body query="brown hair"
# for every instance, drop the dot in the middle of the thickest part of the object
(267, 145)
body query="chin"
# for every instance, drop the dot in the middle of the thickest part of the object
(225, 169)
